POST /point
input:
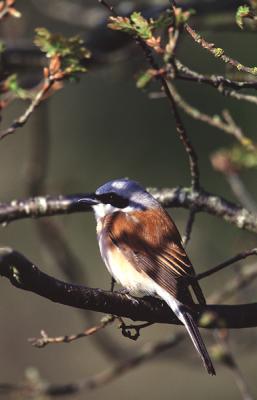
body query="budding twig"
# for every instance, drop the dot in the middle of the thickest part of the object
(18, 123)
(44, 340)
(218, 52)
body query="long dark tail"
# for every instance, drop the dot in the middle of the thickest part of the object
(197, 340)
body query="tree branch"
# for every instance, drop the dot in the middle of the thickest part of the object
(227, 263)
(180, 128)
(23, 274)
(21, 121)
(201, 201)
(218, 52)
(146, 353)
(226, 124)
(44, 339)
(219, 82)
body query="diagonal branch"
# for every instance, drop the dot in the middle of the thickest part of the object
(23, 274)
(44, 339)
(226, 124)
(218, 52)
(21, 121)
(232, 260)
(146, 353)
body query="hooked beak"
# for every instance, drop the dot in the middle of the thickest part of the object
(90, 199)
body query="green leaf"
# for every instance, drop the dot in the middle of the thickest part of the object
(141, 26)
(242, 12)
(121, 24)
(144, 79)
(70, 50)
(134, 25)
(13, 86)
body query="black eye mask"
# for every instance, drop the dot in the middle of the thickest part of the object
(114, 199)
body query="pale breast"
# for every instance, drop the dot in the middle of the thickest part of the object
(121, 269)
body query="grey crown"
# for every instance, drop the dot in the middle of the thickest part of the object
(138, 197)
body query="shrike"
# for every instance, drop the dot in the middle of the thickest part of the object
(143, 251)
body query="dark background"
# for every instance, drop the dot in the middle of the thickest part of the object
(100, 129)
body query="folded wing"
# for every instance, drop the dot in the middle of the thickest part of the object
(152, 243)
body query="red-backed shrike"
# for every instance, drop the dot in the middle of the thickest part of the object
(143, 251)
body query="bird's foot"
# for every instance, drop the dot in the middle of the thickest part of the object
(132, 299)
(122, 291)
(126, 292)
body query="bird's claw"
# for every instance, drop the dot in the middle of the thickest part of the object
(132, 299)
(126, 292)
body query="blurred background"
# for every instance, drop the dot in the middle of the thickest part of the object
(99, 129)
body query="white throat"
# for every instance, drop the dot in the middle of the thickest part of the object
(101, 210)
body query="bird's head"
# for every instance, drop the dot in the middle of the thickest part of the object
(120, 195)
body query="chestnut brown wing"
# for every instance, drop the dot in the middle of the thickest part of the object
(152, 243)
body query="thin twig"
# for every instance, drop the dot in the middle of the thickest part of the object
(218, 52)
(228, 125)
(247, 276)
(213, 80)
(239, 96)
(44, 340)
(146, 353)
(189, 227)
(227, 263)
(192, 156)
(219, 82)
(193, 160)
(52, 234)
(18, 123)
(109, 7)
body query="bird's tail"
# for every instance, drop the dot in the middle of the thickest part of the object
(183, 314)
(197, 340)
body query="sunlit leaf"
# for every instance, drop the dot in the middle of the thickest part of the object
(70, 51)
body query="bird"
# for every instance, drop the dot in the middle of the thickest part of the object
(143, 251)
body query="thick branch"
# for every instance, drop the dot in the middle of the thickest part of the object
(25, 275)
(200, 201)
